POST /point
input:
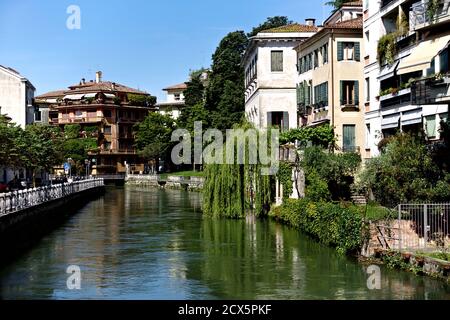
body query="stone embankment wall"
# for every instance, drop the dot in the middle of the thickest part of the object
(172, 182)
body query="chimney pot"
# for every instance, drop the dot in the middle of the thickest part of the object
(310, 22)
(98, 77)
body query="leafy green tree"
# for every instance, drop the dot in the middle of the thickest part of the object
(226, 77)
(405, 172)
(78, 144)
(337, 4)
(270, 23)
(43, 148)
(153, 135)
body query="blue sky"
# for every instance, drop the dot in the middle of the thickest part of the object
(142, 44)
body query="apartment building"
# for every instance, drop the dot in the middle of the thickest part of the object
(330, 77)
(16, 97)
(174, 102)
(271, 75)
(406, 68)
(110, 110)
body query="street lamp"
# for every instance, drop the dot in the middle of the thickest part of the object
(87, 162)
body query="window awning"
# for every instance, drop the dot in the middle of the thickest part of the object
(110, 95)
(73, 97)
(90, 95)
(388, 71)
(412, 117)
(390, 121)
(421, 56)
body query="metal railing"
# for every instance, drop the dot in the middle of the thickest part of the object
(23, 199)
(419, 16)
(418, 227)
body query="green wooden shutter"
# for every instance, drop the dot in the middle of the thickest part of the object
(302, 93)
(326, 93)
(356, 93)
(342, 93)
(286, 121)
(340, 51)
(349, 138)
(269, 119)
(357, 51)
(308, 95)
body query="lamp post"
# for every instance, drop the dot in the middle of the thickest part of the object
(87, 162)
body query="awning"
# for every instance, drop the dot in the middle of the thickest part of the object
(73, 97)
(110, 95)
(318, 122)
(90, 95)
(388, 71)
(412, 117)
(390, 121)
(421, 56)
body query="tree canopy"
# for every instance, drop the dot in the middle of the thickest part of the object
(270, 23)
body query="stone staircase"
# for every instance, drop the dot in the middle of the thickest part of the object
(359, 200)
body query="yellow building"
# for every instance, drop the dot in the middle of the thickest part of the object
(331, 78)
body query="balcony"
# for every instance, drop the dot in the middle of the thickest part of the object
(421, 17)
(431, 90)
(396, 98)
(351, 149)
(77, 120)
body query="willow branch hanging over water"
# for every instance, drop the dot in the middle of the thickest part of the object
(234, 190)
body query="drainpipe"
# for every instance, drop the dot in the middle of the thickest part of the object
(332, 81)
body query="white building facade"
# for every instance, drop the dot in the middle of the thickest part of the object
(175, 101)
(417, 49)
(16, 97)
(271, 74)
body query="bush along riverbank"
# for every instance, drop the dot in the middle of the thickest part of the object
(334, 224)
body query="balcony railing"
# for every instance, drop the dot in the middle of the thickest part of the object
(420, 17)
(431, 91)
(78, 120)
(351, 149)
(401, 97)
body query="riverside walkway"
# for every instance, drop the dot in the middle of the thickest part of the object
(16, 201)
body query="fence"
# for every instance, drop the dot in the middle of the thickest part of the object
(417, 227)
(23, 199)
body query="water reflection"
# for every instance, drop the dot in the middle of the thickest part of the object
(137, 243)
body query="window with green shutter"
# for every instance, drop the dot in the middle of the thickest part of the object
(285, 121)
(356, 93)
(357, 51)
(340, 51)
(349, 138)
(277, 61)
(349, 93)
(307, 94)
(325, 54)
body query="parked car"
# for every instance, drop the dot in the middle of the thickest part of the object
(3, 187)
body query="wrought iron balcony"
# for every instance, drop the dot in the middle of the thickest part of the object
(431, 90)
(420, 17)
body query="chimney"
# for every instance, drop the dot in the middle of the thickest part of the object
(310, 22)
(83, 81)
(98, 77)
(113, 86)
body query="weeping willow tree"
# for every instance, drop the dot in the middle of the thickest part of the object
(234, 190)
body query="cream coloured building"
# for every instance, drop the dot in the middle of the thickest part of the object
(330, 78)
(271, 74)
(174, 102)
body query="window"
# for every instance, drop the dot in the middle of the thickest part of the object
(277, 61)
(107, 113)
(321, 94)
(78, 113)
(430, 125)
(278, 119)
(177, 96)
(444, 61)
(38, 116)
(325, 54)
(107, 130)
(348, 51)
(368, 136)
(349, 138)
(316, 59)
(107, 145)
(367, 89)
(349, 93)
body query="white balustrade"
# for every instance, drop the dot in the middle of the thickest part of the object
(18, 200)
